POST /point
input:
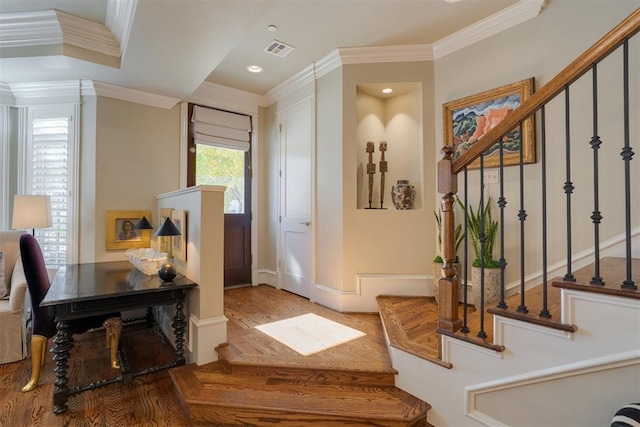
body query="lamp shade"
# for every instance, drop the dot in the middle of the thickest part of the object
(143, 224)
(31, 211)
(167, 228)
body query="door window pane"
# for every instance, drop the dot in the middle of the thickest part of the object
(222, 166)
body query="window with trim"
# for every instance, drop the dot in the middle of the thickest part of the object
(47, 166)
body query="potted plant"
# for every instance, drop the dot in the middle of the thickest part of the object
(477, 219)
(438, 261)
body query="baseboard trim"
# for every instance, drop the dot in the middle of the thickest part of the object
(268, 277)
(368, 287)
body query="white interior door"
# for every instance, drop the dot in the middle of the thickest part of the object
(296, 141)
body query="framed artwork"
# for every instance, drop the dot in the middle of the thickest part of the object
(179, 245)
(120, 233)
(467, 119)
(165, 241)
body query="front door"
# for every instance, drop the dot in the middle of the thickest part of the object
(296, 141)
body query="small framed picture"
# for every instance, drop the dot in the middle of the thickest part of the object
(120, 233)
(179, 246)
(165, 241)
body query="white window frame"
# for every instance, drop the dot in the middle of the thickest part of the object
(25, 120)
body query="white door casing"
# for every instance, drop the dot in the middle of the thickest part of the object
(296, 159)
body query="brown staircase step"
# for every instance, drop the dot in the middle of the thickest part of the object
(309, 368)
(613, 272)
(211, 395)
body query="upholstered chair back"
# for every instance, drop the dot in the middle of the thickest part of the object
(38, 284)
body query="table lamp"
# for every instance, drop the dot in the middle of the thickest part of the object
(31, 211)
(167, 271)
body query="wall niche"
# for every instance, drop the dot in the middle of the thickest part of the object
(394, 117)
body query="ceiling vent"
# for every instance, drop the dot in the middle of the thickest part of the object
(278, 48)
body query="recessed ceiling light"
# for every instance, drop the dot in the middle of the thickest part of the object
(254, 69)
(387, 90)
(272, 28)
(452, 1)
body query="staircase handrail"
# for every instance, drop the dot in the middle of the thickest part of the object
(607, 44)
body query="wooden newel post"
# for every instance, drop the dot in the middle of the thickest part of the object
(448, 285)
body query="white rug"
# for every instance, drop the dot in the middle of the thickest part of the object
(309, 333)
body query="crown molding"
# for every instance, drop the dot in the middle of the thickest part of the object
(119, 19)
(510, 17)
(23, 29)
(85, 34)
(53, 27)
(494, 24)
(227, 98)
(292, 84)
(6, 95)
(134, 95)
(40, 93)
(378, 54)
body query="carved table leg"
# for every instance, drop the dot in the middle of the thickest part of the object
(179, 326)
(63, 343)
(150, 318)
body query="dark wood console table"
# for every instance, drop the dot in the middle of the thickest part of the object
(83, 290)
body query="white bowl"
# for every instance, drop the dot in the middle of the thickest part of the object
(146, 260)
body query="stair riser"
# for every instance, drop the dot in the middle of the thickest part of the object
(201, 415)
(310, 375)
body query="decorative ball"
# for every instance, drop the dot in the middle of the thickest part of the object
(167, 272)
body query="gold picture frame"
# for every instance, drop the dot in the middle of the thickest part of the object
(467, 119)
(165, 241)
(120, 233)
(179, 243)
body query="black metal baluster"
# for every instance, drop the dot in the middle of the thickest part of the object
(568, 185)
(465, 326)
(596, 217)
(543, 145)
(482, 334)
(522, 216)
(502, 203)
(627, 154)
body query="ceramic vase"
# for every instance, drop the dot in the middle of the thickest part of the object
(403, 195)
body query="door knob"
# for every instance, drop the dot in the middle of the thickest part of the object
(305, 223)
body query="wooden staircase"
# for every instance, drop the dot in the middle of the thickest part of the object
(259, 382)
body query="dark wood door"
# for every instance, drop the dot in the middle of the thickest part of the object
(237, 226)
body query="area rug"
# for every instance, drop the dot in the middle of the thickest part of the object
(309, 333)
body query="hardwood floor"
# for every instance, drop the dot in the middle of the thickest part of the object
(147, 400)
(151, 400)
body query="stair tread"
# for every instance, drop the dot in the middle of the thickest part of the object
(213, 386)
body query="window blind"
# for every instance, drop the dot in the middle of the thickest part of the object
(222, 129)
(50, 176)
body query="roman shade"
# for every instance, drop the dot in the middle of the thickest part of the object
(219, 128)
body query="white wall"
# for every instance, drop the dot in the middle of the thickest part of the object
(135, 158)
(204, 206)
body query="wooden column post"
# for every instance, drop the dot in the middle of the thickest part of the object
(448, 285)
